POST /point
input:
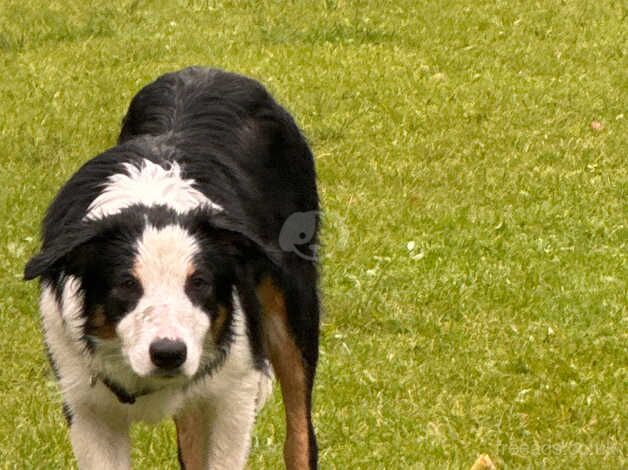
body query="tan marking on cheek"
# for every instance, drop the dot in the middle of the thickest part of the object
(288, 366)
(218, 323)
(190, 270)
(98, 325)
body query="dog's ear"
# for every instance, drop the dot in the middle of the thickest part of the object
(237, 240)
(248, 244)
(54, 252)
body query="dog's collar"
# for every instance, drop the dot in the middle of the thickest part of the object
(129, 398)
(121, 394)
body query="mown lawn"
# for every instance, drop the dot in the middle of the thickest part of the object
(472, 164)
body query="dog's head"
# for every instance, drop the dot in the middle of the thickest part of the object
(155, 287)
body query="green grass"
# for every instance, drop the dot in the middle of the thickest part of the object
(459, 129)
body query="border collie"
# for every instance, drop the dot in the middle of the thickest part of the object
(164, 288)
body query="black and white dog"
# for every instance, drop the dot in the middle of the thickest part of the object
(165, 288)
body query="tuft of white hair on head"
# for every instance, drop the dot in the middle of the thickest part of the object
(149, 184)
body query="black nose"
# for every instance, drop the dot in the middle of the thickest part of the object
(167, 353)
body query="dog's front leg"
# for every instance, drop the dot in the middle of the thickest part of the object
(217, 434)
(193, 437)
(100, 441)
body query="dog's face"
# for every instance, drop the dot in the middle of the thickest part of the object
(156, 293)
(166, 300)
(156, 290)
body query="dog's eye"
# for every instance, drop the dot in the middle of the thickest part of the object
(199, 282)
(128, 283)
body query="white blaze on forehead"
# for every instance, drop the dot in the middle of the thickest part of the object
(148, 184)
(164, 257)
